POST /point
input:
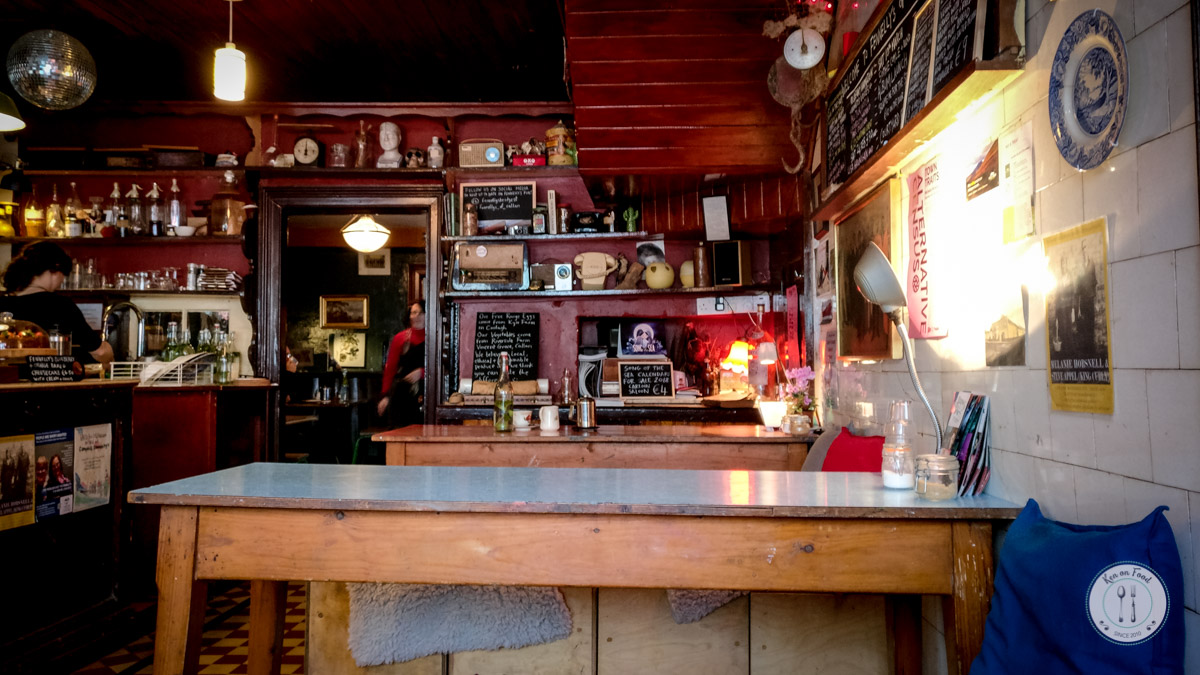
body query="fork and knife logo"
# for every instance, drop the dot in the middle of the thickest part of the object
(1127, 603)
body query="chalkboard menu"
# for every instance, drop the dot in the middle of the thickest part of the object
(914, 48)
(647, 379)
(52, 368)
(500, 205)
(515, 333)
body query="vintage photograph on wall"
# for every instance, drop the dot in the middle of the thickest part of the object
(864, 332)
(350, 349)
(345, 311)
(1077, 322)
(377, 264)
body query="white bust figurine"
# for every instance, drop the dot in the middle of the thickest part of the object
(389, 140)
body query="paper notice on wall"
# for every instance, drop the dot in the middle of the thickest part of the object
(17, 481)
(795, 356)
(55, 472)
(925, 222)
(1016, 180)
(93, 461)
(1004, 338)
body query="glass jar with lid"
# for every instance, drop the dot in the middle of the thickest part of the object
(937, 477)
(18, 334)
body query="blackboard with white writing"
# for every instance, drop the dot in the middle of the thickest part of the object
(500, 205)
(894, 74)
(52, 368)
(515, 333)
(644, 379)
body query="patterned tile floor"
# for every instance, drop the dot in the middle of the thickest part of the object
(226, 632)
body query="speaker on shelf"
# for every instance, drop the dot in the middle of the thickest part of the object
(731, 263)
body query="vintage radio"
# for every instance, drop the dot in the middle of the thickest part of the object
(490, 267)
(481, 152)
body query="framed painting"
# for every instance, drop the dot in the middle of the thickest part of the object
(864, 332)
(350, 349)
(345, 311)
(378, 263)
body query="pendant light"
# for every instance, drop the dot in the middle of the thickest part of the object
(229, 68)
(10, 117)
(364, 234)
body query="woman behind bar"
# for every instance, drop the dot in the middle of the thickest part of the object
(31, 279)
(404, 374)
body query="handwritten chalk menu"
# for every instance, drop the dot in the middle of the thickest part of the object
(647, 379)
(914, 48)
(500, 205)
(51, 368)
(515, 333)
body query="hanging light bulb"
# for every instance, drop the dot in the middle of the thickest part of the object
(229, 68)
(364, 234)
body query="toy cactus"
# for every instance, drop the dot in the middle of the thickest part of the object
(631, 215)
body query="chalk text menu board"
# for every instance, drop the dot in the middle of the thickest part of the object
(913, 50)
(515, 333)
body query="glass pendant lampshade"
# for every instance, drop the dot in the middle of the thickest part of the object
(363, 234)
(51, 69)
(229, 73)
(10, 117)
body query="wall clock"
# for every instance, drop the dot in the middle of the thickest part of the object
(308, 151)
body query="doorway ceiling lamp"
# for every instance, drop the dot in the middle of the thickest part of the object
(364, 234)
(10, 117)
(229, 68)
(51, 69)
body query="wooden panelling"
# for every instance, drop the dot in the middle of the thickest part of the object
(724, 141)
(638, 635)
(655, 21)
(328, 627)
(794, 633)
(652, 46)
(651, 93)
(691, 70)
(676, 207)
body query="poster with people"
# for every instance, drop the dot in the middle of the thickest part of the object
(54, 494)
(16, 481)
(1077, 321)
(93, 461)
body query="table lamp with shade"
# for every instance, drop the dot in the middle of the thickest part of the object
(877, 281)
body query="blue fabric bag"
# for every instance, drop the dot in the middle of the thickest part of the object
(1090, 599)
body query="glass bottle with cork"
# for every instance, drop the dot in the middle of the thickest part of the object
(35, 216)
(503, 399)
(897, 464)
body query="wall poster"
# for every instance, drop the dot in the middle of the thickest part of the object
(1077, 320)
(16, 481)
(863, 330)
(926, 218)
(93, 461)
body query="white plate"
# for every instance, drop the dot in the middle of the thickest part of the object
(1089, 86)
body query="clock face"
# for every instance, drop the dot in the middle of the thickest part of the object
(307, 151)
(804, 49)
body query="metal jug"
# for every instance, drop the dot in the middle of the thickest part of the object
(584, 413)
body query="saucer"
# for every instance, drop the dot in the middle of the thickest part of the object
(1089, 88)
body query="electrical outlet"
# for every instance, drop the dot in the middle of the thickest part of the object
(732, 304)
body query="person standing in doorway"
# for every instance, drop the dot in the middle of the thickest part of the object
(404, 373)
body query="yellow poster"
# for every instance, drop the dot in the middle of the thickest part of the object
(16, 481)
(1077, 323)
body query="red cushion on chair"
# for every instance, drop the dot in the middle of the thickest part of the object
(854, 453)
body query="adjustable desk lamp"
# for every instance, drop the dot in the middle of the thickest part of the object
(878, 283)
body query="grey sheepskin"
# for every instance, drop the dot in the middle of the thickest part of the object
(392, 623)
(689, 606)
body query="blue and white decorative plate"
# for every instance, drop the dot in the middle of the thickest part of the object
(1089, 85)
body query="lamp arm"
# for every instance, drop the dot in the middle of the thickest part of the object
(912, 372)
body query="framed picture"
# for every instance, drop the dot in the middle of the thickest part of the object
(350, 349)
(345, 311)
(377, 264)
(641, 339)
(500, 206)
(650, 251)
(864, 332)
(416, 284)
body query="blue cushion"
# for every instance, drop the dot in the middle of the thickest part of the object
(1089, 599)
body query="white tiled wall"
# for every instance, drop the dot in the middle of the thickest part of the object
(1098, 469)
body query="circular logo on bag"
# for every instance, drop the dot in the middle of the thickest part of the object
(1127, 603)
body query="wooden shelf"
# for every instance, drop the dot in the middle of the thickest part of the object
(324, 172)
(128, 241)
(118, 171)
(592, 236)
(129, 291)
(613, 292)
(976, 80)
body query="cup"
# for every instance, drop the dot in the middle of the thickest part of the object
(522, 419)
(548, 414)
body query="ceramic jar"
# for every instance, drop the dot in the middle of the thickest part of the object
(687, 274)
(660, 275)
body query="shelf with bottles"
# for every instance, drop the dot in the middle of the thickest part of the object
(167, 171)
(614, 292)
(568, 236)
(136, 239)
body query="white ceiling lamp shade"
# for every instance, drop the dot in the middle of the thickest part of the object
(365, 235)
(10, 117)
(229, 68)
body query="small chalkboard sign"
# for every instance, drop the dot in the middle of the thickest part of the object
(515, 333)
(647, 379)
(500, 205)
(52, 368)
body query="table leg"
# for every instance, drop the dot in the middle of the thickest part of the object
(904, 618)
(181, 598)
(268, 599)
(965, 609)
(395, 454)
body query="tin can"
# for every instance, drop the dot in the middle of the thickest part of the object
(539, 219)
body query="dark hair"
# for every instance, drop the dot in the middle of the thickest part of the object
(419, 302)
(34, 259)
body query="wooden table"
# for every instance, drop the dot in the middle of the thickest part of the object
(724, 447)
(776, 531)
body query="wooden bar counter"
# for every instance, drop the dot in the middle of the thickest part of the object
(725, 447)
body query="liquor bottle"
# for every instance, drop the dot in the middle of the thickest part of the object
(35, 216)
(175, 216)
(155, 213)
(74, 225)
(502, 409)
(54, 216)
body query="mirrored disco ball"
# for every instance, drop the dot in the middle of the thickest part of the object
(51, 69)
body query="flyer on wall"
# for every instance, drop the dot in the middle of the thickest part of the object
(1077, 322)
(55, 472)
(16, 481)
(93, 457)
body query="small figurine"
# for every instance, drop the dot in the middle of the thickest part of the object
(630, 273)
(361, 142)
(533, 147)
(414, 158)
(511, 151)
(389, 140)
(630, 216)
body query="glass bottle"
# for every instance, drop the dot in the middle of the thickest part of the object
(35, 216)
(154, 216)
(570, 392)
(137, 214)
(95, 217)
(223, 372)
(185, 342)
(171, 349)
(74, 225)
(54, 215)
(502, 409)
(175, 215)
(204, 341)
(897, 466)
(436, 154)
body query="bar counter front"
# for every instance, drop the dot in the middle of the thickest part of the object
(747, 530)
